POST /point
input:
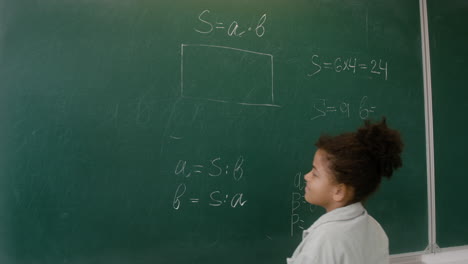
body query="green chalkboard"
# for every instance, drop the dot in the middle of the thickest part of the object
(179, 131)
(449, 51)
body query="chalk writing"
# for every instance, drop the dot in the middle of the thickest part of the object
(178, 193)
(232, 29)
(214, 199)
(214, 168)
(323, 108)
(217, 199)
(297, 202)
(265, 92)
(350, 64)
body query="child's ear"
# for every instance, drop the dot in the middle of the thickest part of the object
(339, 192)
(343, 193)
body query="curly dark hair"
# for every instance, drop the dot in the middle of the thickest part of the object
(360, 159)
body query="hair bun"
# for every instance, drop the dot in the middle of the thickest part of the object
(383, 144)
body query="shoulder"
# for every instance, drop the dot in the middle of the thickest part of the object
(342, 236)
(354, 240)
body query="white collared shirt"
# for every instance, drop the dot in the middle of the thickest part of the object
(346, 235)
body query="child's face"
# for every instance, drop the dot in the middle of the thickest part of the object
(319, 181)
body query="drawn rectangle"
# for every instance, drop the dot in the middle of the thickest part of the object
(228, 75)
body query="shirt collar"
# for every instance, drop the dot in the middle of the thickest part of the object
(340, 214)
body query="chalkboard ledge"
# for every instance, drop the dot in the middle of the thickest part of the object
(453, 255)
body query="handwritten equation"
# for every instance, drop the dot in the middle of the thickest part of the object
(215, 199)
(323, 109)
(232, 29)
(216, 167)
(352, 65)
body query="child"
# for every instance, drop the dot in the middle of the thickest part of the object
(346, 170)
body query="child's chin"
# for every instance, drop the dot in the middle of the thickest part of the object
(308, 200)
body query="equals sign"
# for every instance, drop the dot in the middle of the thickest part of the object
(197, 166)
(194, 200)
(363, 66)
(219, 24)
(331, 109)
(372, 111)
(327, 65)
